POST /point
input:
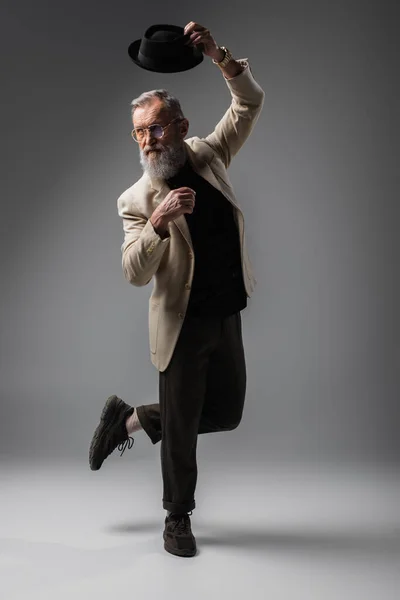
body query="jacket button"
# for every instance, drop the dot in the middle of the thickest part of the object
(187, 286)
(180, 315)
(190, 254)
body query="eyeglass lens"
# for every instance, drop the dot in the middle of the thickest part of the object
(155, 130)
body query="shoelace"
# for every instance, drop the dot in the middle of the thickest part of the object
(181, 524)
(128, 442)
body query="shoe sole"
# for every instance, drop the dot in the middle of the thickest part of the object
(182, 553)
(107, 414)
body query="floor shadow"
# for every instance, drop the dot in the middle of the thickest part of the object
(382, 543)
(142, 526)
(379, 542)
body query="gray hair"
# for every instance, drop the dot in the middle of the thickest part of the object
(171, 103)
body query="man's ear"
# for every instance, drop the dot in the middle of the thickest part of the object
(184, 127)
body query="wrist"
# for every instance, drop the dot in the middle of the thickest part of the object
(218, 55)
(160, 225)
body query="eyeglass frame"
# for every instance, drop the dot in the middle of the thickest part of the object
(155, 125)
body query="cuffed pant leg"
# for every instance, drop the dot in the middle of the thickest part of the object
(149, 417)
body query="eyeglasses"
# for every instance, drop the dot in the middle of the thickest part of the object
(156, 131)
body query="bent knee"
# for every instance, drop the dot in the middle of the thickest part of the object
(231, 425)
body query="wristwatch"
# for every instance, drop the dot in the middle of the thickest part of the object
(228, 56)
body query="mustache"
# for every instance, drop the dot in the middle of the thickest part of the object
(147, 149)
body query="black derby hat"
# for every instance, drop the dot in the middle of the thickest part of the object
(162, 49)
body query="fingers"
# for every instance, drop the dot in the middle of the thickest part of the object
(197, 32)
(186, 189)
(186, 201)
(196, 39)
(191, 26)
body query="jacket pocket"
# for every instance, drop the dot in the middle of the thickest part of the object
(154, 312)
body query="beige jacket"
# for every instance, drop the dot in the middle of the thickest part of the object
(171, 260)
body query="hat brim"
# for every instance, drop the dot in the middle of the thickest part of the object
(133, 51)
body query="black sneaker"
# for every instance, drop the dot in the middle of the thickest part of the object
(178, 536)
(110, 432)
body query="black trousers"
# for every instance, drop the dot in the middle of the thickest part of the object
(201, 391)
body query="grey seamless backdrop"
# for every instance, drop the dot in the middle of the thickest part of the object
(316, 182)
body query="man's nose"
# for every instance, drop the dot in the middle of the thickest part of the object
(150, 139)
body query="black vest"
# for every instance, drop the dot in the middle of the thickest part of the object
(217, 287)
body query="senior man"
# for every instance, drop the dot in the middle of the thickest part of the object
(183, 227)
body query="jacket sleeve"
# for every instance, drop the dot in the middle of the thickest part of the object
(143, 248)
(237, 123)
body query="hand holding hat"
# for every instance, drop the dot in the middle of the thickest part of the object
(200, 36)
(170, 48)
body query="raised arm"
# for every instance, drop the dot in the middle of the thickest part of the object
(236, 125)
(247, 96)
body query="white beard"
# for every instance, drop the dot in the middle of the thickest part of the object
(165, 163)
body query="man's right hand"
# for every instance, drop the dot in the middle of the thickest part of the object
(176, 203)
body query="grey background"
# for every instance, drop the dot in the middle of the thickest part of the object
(318, 186)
